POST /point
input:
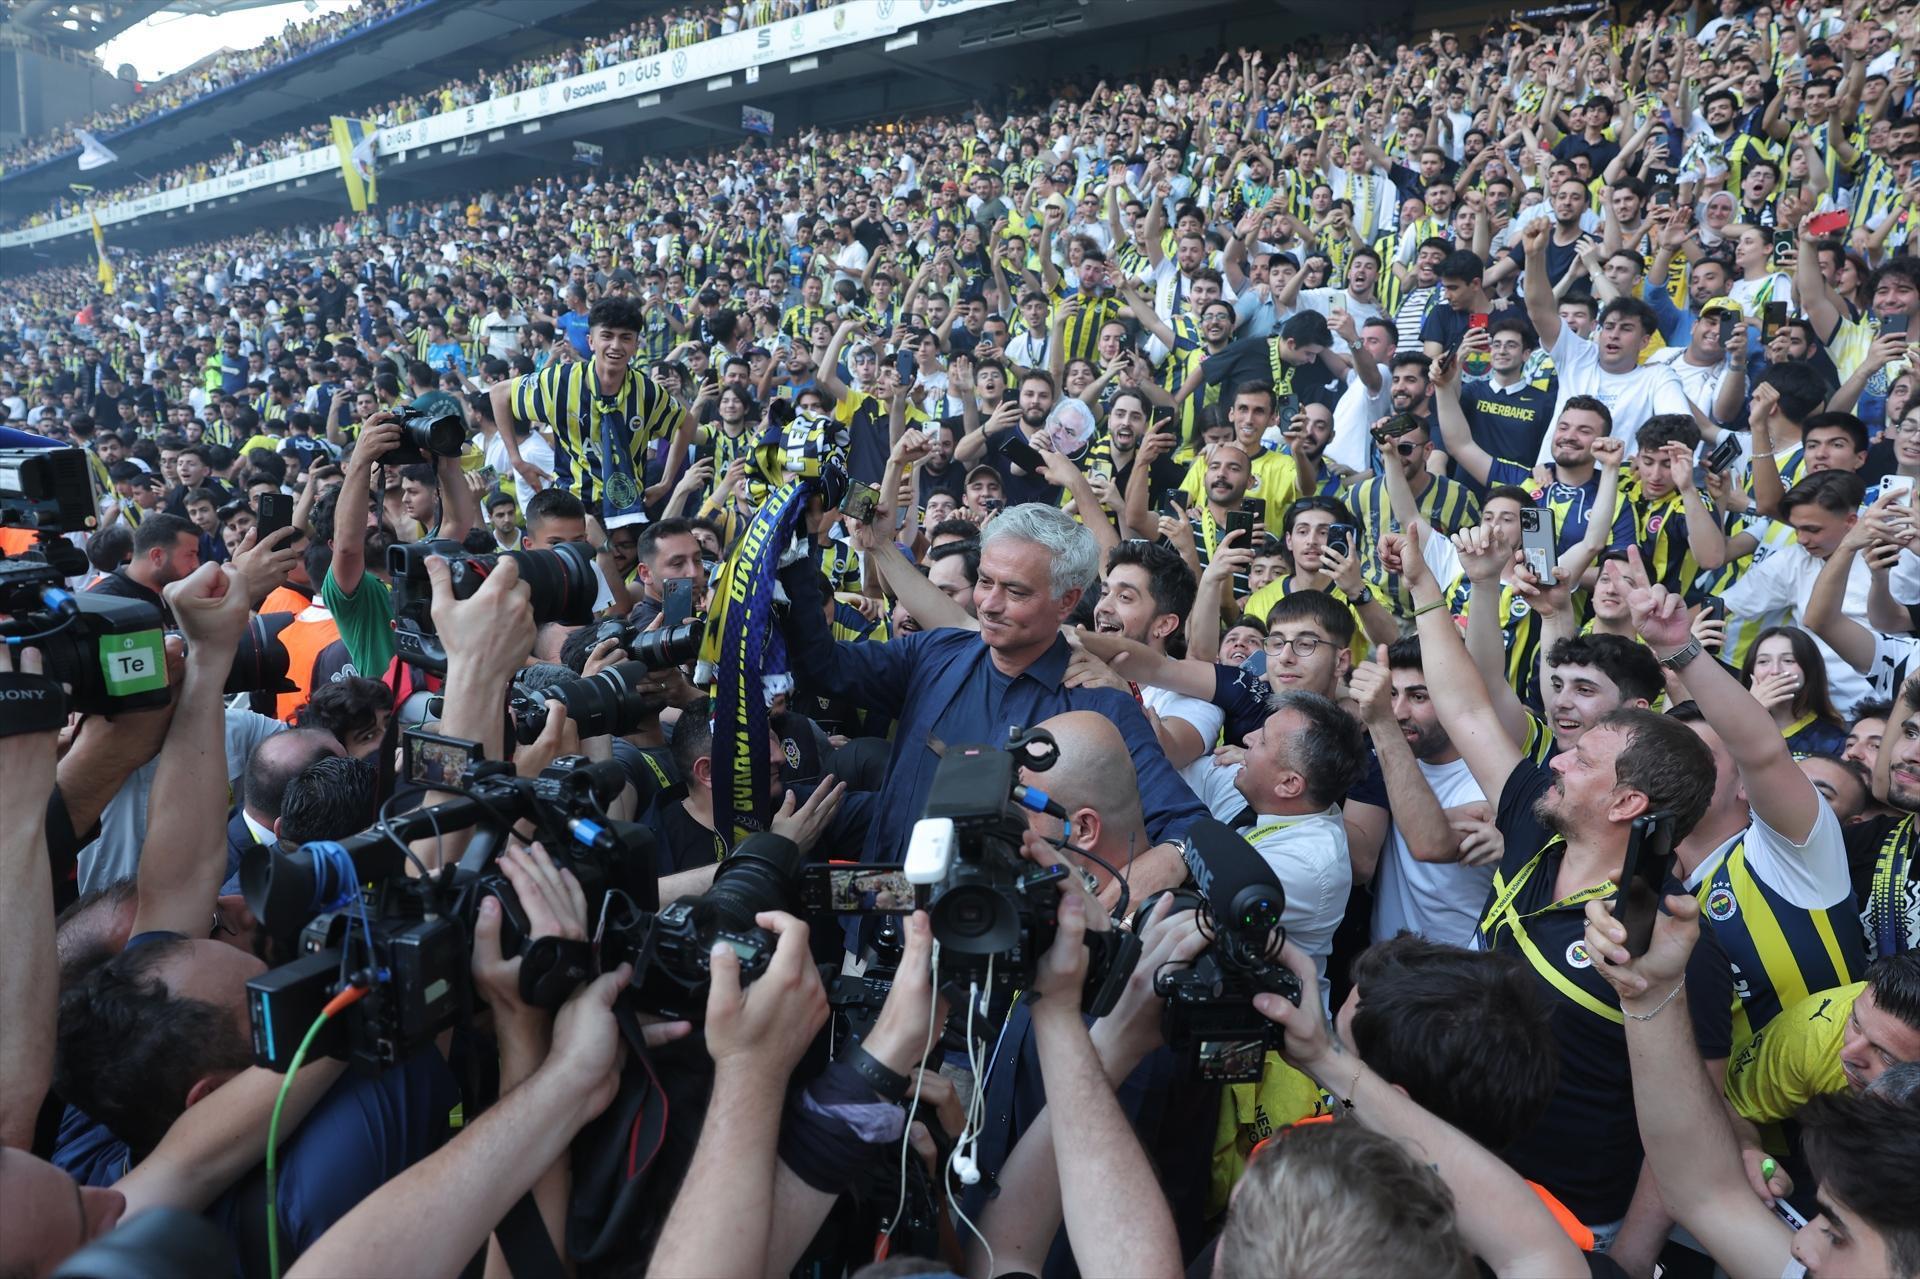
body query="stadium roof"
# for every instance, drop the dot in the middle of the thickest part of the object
(88, 24)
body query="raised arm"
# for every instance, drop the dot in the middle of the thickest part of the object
(378, 434)
(29, 971)
(1135, 661)
(184, 858)
(1825, 613)
(928, 604)
(1543, 308)
(1684, 1124)
(1455, 432)
(1458, 692)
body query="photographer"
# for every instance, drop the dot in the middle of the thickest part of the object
(687, 846)
(356, 594)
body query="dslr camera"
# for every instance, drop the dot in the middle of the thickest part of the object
(561, 581)
(425, 434)
(1209, 1011)
(993, 912)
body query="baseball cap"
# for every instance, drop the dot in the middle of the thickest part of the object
(985, 468)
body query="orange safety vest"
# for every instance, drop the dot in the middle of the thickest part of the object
(285, 599)
(304, 641)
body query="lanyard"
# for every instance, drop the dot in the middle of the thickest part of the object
(1503, 911)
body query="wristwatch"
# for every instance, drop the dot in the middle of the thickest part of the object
(1683, 657)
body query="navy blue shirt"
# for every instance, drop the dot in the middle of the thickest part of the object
(943, 684)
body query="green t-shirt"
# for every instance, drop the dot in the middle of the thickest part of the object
(365, 619)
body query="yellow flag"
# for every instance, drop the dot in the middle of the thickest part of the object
(354, 140)
(100, 252)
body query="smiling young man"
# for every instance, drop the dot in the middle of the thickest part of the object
(1147, 595)
(1607, 368)
(605, 415)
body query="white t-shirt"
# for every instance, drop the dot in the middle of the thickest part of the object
(1632, 397)
(1700, 383)
(1204, 717)
(1308, 852)
(1320, 299)
(1354, 414)
(1812, 876)
(1441, 901)
(534, 449)
(1775, 592)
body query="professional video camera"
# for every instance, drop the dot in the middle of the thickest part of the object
(1210, 1008)
(110, 652)
(357, 918)
(561, 581)
(425, 434)
(993, 911)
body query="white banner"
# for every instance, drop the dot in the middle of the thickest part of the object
(851, 22)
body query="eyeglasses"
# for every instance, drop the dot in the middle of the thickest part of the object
(1302, 645)
(1905, 428)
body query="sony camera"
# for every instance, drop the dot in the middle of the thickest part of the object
(109, 652)
(674, 642)
(561, 581)
(1209, 1011)
(993, 912)
(607, 704)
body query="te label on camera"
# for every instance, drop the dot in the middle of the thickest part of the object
(133, 663)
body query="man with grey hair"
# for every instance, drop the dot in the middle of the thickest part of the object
(961, 687)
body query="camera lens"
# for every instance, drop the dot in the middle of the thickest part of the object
(441, 436)
(760, 875)
(609, 703)
(672, 646)
(561, 581)
(260, 664)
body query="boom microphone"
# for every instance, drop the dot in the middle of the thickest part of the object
(1242, 892)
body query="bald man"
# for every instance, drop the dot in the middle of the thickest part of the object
(1095, 783)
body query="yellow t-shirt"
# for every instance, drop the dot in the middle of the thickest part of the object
(1794, 1058)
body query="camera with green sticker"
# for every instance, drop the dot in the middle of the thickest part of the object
(109, 652)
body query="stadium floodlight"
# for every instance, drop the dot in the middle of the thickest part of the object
(905, 40)
(798, 65)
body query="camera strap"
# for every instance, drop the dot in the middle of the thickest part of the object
(32, 703)
(524, 1241)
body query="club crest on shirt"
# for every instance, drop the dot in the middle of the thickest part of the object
(1721, 905)
(1518, 609)
(1577, 956)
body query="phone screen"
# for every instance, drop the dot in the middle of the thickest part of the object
(1536, 543)
(861, 503)
(1642, 877)
(433, 760)
(857, 889)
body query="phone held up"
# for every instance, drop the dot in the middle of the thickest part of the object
(1536, 544)
(1643, 876)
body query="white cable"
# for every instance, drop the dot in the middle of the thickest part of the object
(919, 1076)
(969, 1139)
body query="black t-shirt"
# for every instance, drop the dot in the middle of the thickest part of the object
(952, 481)
(118, 584)
(1600, 153)
(1018, 488)
(1586, 1148)
(1560, 257)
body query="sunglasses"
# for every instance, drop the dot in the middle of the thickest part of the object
(1406, 448)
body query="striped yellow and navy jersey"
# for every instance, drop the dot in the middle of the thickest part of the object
(799, 321)
(1660, 531)
(1080, 334)
(1780, 952)
(566, 397)
(1445, 505)
(1519, 629)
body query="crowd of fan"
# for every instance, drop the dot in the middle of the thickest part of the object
(1474, 480)
(222, 71)
(671, 29)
